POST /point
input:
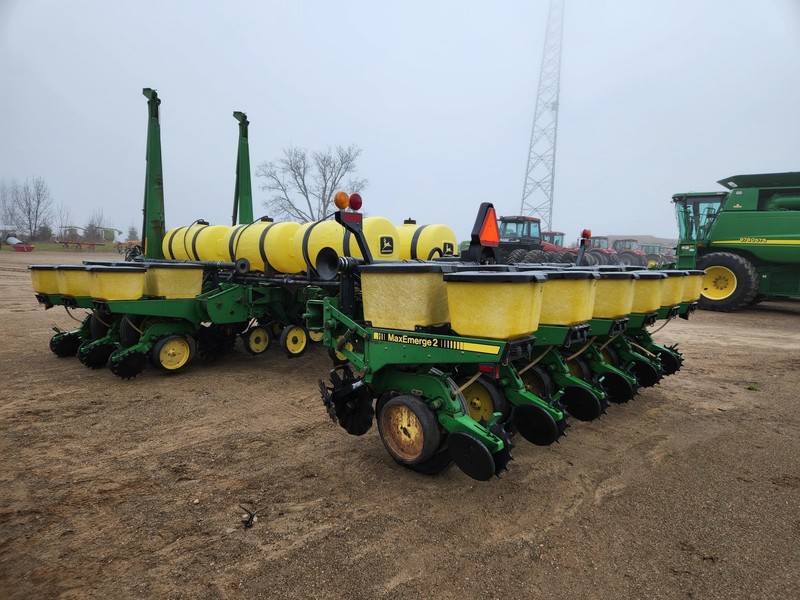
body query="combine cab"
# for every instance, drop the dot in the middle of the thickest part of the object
(747, 239)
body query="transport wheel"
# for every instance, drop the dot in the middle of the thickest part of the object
(294, 340)
(516, 256)
(730, 282)
(538, 382)
(257, 339)
(484, 399)
(65, 344)
(409, 430)
(316, 336)
(128, 366)
(172, 352)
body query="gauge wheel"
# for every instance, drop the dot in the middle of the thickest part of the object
(173, 352)
(294, 340)
(257, 339)
(409, 430)
(484, 399)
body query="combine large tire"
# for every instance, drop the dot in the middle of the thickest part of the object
(730, 282)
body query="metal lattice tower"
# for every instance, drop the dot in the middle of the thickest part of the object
(537, 195)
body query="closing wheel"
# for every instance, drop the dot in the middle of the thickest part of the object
(484, 399)
(581, 403)
(617, 388)
(646, 374)
(535, 424)
(294, 340)
(671, 360)
(129, 365)
(409, 430)
(257, 339)
(94, 356)
(65, 344)
(172, 352)
(471, 456)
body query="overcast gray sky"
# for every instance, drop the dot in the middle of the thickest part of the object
(656, 98)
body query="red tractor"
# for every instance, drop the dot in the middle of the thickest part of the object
(600, 251)
(629, 252)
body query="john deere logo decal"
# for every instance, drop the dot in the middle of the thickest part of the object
(387, 244)
(448, 249)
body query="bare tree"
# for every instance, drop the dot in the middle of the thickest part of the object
(6, 211)
(63, 219)
(29, 206)
(95, 227)
(302, 187)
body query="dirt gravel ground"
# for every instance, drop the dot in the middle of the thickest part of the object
(132, 489)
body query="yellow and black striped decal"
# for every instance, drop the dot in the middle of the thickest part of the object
(434, 342)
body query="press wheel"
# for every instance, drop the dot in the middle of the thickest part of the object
(65, 344)
(172, 352)
(129, 365)
(409, 430)
(294, 340)
(257, 339)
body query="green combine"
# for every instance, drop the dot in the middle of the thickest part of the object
(746, 239)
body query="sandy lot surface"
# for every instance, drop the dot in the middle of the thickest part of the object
(131, 489)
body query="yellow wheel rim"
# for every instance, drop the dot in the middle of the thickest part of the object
(719, 283)
(402, 432)
(316, 336)
(533, 384)
(348, 346)
(174, 353)
(479, 402)
(651, 263)
(258, 340)
(296, 341)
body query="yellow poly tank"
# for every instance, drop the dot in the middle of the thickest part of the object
(692, 286)
(568, 297)
(266, 243)
(494, 304)
(614, 298)
(381, 238)
(647, 292)
(116, 283)
(310, 238)
(672, 288)
(425, 241)
(210, 243)
(179, 243)
(73, 280)
(44, 279)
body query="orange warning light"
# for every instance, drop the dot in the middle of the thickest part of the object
(341, 200)
(586, 233)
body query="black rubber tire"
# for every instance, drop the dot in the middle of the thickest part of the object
(516, 256)
(538, 381)
(129, 328)
(99, 324)
(746, 284)
(65, 344)
(438, 463)
(602, 258)
(612, 259)
(534, 256)
(628, 259)
(429, 425)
